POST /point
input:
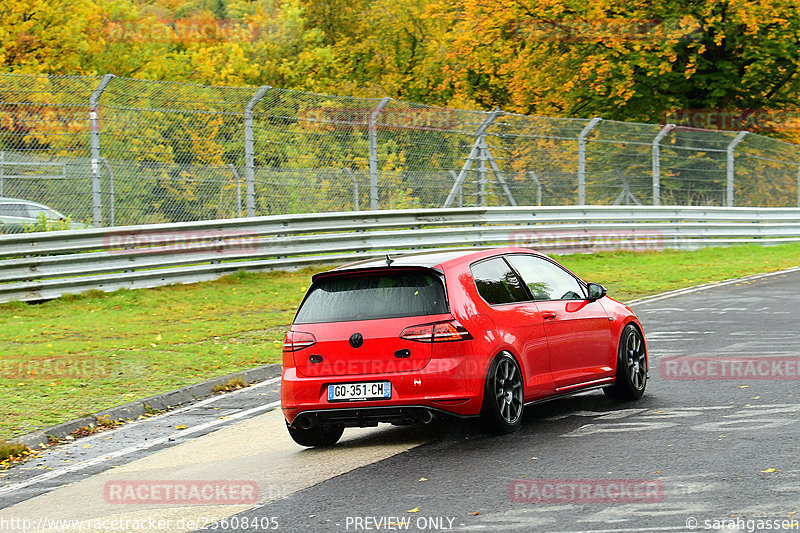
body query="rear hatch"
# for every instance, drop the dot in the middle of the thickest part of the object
(357, 319)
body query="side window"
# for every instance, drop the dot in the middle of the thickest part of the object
(545, 280)
(497, 283)
(33, 212)
(13, 210)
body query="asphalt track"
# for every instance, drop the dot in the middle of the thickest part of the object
(697, 453)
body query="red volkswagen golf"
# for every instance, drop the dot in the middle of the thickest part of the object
(410, 338)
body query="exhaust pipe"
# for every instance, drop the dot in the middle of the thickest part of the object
(303, 422)
(426, 417)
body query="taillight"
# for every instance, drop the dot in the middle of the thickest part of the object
(438, 332)
(297, 340)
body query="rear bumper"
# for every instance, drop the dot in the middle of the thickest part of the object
(450, 386)
(370, 416)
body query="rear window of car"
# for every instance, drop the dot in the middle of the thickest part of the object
(373, 296)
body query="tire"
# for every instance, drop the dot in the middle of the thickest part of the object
(318, 437)
(503, 396)
(631, 366)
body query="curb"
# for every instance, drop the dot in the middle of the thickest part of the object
(713, 284)
(137, 408)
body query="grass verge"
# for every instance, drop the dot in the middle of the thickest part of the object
(80, 354)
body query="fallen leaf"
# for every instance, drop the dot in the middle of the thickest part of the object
(180, 427)
(423, 479)
(476, 513)
(744, 386)
(768, 470)
(414, 510)
(534, 458)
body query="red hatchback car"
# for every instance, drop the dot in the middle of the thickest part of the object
(409, 338)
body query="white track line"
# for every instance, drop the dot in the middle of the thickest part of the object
(52, 474)
(698, 288)
(216, 397)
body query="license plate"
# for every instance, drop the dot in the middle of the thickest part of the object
(370, 390)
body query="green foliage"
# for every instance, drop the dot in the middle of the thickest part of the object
(48, 224)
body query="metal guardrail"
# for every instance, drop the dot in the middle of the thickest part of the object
(38, 266)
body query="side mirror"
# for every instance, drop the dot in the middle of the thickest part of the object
(596, 291)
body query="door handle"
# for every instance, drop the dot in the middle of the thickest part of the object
(548, 315)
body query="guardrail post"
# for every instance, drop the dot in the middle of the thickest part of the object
(657, 162)
(477, 150)
(249, 158)
(94, 128)
(582, 159)
(373, 152)
(731, 169)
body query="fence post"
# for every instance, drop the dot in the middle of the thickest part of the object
(731, 169)
(482, 172)
(373, 153)
(94, 128)
(532, 174)
(238, 178)
(582, 159)
(476, 151)
(349, 173)
(110, 189)
(249, 159)
(460, 192)
(657, 162)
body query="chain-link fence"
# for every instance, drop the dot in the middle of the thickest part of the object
(117, 151)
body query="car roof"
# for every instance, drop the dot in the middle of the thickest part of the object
(6, 199)
(436, 259)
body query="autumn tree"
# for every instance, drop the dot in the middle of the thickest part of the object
(48, 36)
(626, 59)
